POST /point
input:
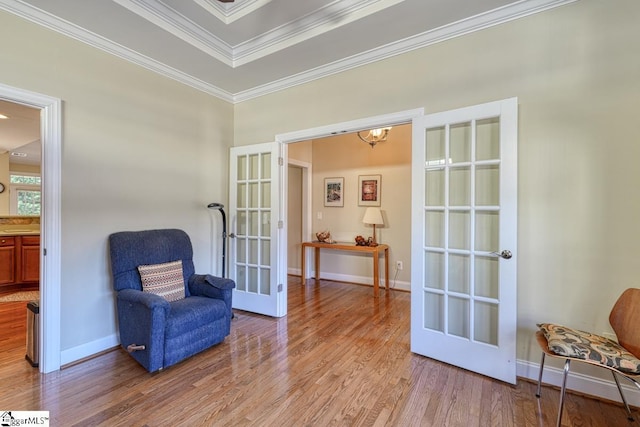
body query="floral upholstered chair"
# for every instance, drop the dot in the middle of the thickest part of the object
(622, 358)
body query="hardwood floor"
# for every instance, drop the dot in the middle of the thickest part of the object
(339, 358)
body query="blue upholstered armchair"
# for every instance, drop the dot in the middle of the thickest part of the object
(166, 312)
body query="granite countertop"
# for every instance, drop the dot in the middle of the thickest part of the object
(19, 232)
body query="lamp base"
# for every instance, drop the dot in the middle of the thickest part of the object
(374, 242)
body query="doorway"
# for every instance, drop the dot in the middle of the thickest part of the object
(298, 211)
(292, 140)
(20, 206)
(50, 221)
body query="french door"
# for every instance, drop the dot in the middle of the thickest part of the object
(464, 211)
(256, 231)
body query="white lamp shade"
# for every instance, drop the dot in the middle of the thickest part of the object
(373, 216)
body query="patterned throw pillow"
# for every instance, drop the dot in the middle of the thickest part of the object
(570, 342)
(165, 280)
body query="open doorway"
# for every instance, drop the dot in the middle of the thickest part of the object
(49, 253)
(299, 203)
(357, 269)
(258, 249)
(20, 210)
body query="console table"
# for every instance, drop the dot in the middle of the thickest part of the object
(375, 251)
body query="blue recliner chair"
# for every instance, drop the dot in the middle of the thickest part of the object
(156, 332)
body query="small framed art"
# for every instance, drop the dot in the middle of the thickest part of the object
(369, 190)
(334, 192)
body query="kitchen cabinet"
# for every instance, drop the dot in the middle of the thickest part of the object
(19, 260)
(28, 260)
(7, 261)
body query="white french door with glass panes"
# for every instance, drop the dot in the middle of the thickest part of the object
(464, 211)
(256, 229)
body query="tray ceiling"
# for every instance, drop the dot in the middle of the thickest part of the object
(237, 51)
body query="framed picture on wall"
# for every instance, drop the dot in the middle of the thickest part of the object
(334, 192)
(369, 190)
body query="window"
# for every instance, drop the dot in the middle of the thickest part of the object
(25, 194)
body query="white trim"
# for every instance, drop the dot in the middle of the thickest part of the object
(50, 220)
(322, 20)
(176, 24)
(326, 18)
(89, 349)
(581, 383)
(391, 119)
(230, 12)
(489, 19)
(281, 230)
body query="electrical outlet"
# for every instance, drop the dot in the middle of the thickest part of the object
(399, 265)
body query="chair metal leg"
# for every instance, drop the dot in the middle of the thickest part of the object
(540, 374)
(562, 391)
(626, 405)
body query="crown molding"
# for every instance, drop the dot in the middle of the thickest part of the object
(486, 20)
(469, 25)
(329, 17)
(230, 12)
(174, 23)
(47, 20)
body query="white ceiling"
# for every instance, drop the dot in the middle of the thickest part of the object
(20, 133)
(241, 50)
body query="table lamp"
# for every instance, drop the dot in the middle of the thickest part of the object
(373, 216)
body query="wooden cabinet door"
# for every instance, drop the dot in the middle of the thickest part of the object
(7, 261)
(30, 259)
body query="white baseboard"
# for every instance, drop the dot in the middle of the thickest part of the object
(580, 383)
(89, 349)
(361, 280)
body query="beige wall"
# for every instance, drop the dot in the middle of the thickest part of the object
(139, 151)
(19, 167)
(302, 151)
(575, 74)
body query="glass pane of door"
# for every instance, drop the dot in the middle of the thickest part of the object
(455, 189)
(253, 228)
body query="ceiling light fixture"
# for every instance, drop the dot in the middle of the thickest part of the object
(3, 117)
(375, 135)
(18, 154)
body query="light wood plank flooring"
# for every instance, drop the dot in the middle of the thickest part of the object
(339, 358)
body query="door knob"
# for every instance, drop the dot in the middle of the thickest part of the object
(506, 254)
(232, 235)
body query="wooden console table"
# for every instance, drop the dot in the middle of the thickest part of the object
(373, 250)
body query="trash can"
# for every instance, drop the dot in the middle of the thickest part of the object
(33, 333)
